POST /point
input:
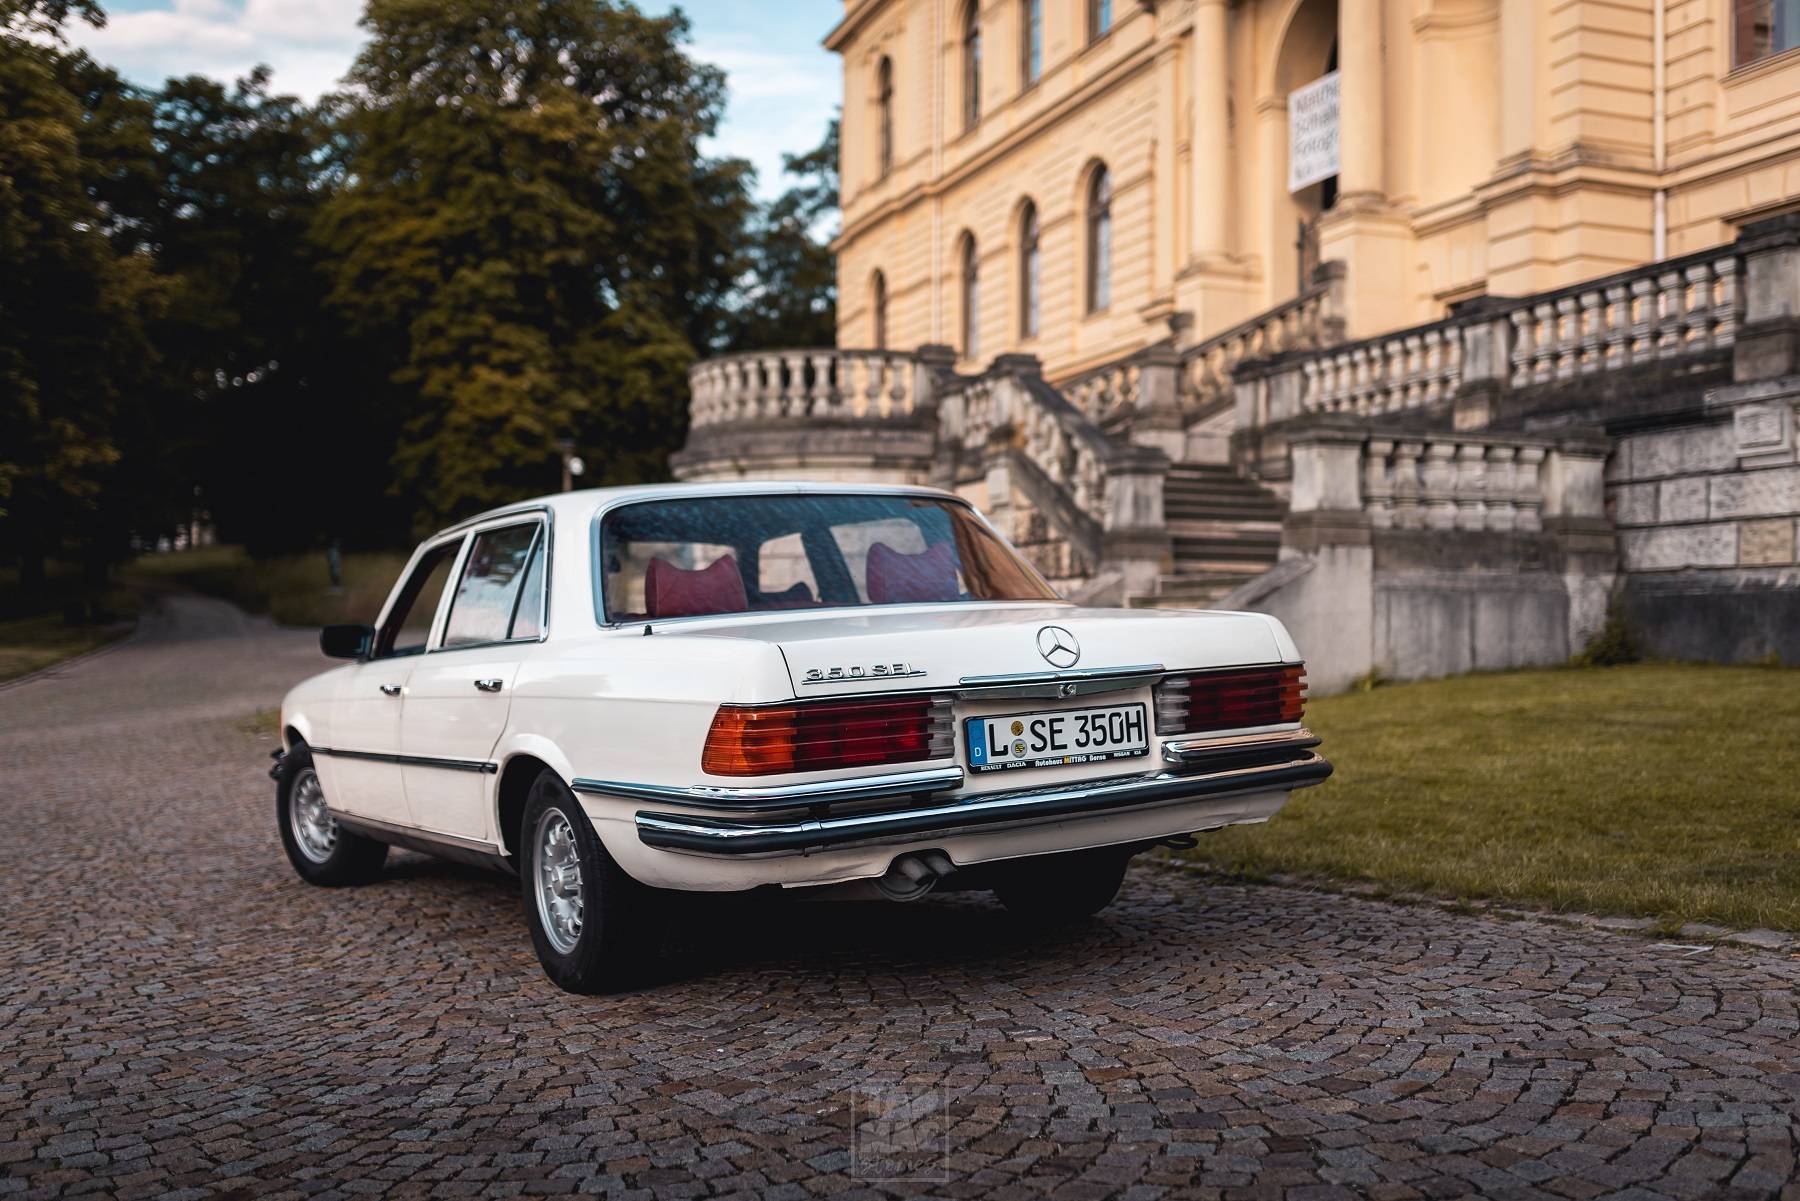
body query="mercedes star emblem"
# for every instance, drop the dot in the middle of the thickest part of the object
(1058, 647)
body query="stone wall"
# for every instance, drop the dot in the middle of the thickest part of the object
(1708, 513)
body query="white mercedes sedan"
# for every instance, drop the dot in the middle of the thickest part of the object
(731, 686)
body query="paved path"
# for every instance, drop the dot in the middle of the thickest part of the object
(179, 1015)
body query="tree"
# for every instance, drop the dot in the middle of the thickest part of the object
(72, 346)
(527, 237)
(789, 292)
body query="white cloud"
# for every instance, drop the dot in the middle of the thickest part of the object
(781, 88)
(308, 43)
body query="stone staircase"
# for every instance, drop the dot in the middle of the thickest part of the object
(1224, 530)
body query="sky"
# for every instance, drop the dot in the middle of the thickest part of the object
(783, 85)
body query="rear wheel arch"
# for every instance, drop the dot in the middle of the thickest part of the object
(516, 778)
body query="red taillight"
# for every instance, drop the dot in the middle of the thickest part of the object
(767, 740)
(1230, 700)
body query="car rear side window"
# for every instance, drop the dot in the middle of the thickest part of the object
(489, 594)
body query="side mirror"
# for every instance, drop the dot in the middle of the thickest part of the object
(347, 641)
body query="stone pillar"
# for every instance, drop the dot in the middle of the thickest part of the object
(1325, 506)
(1363, 132)
(1768, 344)
(1156, 417)
(1210, 147)
(1135, 540)
(1486, 368)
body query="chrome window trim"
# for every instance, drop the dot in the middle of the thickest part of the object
(597, 580)
(474, 529)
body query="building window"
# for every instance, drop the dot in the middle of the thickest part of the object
(1100, 16)
(971, 299)
(1099, 240)
(1031, 42)
(971, 64)
(878, 306)
(884, 116)
(1763, 27)
(1030, 271)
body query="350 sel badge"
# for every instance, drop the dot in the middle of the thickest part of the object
(872, 671)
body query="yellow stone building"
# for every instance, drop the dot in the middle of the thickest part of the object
(1074, 179)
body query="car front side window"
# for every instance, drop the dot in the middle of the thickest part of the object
(490, 594)
(409, 624)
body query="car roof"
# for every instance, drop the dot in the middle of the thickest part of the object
(586, 502)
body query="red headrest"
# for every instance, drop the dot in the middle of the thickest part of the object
(896, 577)
(671, 591)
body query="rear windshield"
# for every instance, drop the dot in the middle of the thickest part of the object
(699, 556)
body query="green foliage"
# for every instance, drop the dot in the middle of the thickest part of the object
(527, 231)
(789, 296)
(350, 321)
(1613, 645)
(73, 350)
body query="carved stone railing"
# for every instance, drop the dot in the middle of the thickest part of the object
(812, 385)
(1690, 308)
(1312, 320)
(1081, 503)
(1448, 481)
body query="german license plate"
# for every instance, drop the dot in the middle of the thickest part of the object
(1056, 738)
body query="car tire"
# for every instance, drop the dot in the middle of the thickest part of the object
(1057, 889)
(321, 850)
(590, 922)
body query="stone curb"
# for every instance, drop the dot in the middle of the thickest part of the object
(1703, 936)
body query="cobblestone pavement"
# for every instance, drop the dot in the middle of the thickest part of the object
(181, 1016)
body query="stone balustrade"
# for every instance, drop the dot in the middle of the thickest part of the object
(1057, 439)
(1670, 311)
(811, 385)
(1662, 311)
(1448, 481)
(1312, 320)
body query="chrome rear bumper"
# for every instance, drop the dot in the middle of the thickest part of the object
(1198, 769)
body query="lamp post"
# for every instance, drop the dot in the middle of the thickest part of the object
(572, 465)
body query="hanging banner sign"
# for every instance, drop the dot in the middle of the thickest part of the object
(1313, 132)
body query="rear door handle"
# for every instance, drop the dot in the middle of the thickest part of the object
(489, 685)
(391, 689)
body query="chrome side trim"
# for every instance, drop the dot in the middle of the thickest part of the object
(781, 796)
(1080, 681)
(479, 765)
(986, 811)
(428, 842)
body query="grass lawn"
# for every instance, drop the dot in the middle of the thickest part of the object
(66, 617)
(30, 643)
(293, 589)
(1669, 791)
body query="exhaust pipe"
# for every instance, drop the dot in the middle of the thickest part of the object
(913, 875)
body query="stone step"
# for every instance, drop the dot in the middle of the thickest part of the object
(1228, 550)
(1196, 591)
(1174, 510)
(1214, 526)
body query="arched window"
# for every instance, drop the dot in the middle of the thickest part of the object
(884, 115)
(878, 306)
(1100, 16)
(1031, 41)
(1030, 272)
(971, 299)
(1099, 240)
(971, 64)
